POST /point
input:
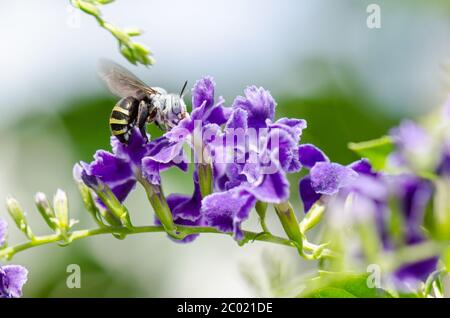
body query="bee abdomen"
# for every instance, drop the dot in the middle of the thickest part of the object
(123, 117)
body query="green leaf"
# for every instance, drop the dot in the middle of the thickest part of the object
(342, 285)
(376, 150)
(331, 292)
(446, 259)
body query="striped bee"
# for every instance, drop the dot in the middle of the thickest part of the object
(140, 103)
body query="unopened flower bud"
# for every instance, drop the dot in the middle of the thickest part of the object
(128, 54)
(88, 8)
(15, 210)
(313, 217)
(261, 208)
(45, 209)
(17, 214)
(133, 31)
(61, 208)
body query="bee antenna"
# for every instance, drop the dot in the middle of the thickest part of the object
(184, 87)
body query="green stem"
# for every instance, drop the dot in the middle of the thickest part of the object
(161, 208)
(9, 252)
(205, 179)
(261, 208)
(290, 225)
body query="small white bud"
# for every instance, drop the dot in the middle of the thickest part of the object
(61, 208)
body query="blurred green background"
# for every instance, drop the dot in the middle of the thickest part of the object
(318, 58)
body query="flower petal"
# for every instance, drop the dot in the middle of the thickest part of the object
(293, 126)
(414, 194)
(284, 150)
(186, 207)
(203, 92)
(134, 151)
(150, 171)
(274, 188)
(3, 232)
(169, 153)
(219, 114)
(328, 178)
(410, 137)
(12, 279)
(309, 155)
(444, 166)
(307, 193)
(109, 168)
(122, 190)
(227, 210)
(238, 119)
(409, 276)
(259, 105)
(364, 167)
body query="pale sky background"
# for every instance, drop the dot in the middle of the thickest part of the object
(49, 51)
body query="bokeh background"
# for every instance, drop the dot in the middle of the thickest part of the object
(317, 57)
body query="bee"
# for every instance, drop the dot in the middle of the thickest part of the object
(140, 103)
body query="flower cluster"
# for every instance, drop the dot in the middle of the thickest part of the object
(12, 277)
(242, 156)
(396, 216)
(244, 170)
(398, 202)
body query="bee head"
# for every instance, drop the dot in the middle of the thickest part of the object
(177, 110)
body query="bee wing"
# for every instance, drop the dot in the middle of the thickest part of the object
(120, 81)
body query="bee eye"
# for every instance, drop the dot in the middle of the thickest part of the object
(176, 106)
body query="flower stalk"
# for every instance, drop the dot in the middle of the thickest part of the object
(45, 209)
(132, 51)
(261, 209)
(205, 179)
(17, 214)
(290, 225)
(10, 251)
(89, 204)
(313, 217)
(162, 210)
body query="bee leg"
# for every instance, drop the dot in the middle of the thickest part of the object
(142, 118)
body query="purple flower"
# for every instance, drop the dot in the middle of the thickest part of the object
(207, 115)
(3, 232)
(407, 276)
(309, 155)
(227, 210)
(121, 169)
(373, 194)
(12, 279)
(413, 195)
(258, 164)
(443, 168)
(259, 105)
(251, 158)
(413, 147)
(409, 136)
(186, 209)
(203, 103)
(363, 167)
(307, 193)
(327, 178)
